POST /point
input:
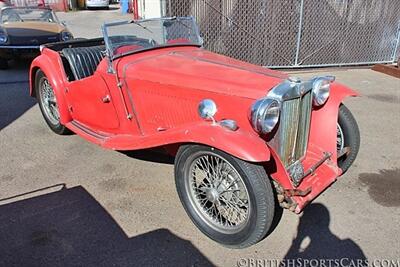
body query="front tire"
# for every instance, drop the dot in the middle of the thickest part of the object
(48, 103)
(230, 200)
(348, 138)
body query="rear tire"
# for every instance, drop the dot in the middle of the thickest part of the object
(234, 202)
(350, 137)
(48, 104)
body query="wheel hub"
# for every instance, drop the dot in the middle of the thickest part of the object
(212, 195)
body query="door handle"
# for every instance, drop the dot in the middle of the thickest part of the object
(106, 99)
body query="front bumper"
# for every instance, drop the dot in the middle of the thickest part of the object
(323, 171)
(319, 179)
(20, 47)
(12, 51)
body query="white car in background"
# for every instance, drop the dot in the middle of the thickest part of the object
(97, 4)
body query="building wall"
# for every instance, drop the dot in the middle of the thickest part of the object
(149, 8)
(57, 5)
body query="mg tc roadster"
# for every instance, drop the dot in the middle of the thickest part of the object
(247, 140)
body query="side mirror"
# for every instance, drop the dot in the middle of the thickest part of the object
(64, 23)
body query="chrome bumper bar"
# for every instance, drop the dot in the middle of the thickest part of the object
(20, 47)
(297, 173)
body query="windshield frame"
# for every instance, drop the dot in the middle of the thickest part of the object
(109, 49)
(56, 20)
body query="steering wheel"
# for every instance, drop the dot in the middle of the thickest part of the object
(152, 42)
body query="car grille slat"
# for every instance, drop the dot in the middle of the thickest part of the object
(288, 129)
(294, 129)
(304, 122)
(33, 40)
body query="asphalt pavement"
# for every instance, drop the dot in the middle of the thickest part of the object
(67, 202)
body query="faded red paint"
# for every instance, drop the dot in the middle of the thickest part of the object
(162, 88)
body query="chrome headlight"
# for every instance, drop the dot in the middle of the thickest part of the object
(3, 38)
(264, 115)
(320, 89)
(65, 36)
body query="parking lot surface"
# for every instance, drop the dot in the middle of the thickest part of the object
(65, 201)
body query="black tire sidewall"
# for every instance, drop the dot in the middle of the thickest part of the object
(257, 224)
(351, 135)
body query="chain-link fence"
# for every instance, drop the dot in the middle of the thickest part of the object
(297, 33)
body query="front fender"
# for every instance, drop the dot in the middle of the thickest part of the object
(324, 120)
(53, 69)
(242, 144)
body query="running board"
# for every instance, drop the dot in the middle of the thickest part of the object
(82, 130)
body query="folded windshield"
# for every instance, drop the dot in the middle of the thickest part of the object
(131, 36)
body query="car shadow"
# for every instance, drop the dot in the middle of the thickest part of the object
(156, 155)
(68, 227)
(14, 92)
(315, 240)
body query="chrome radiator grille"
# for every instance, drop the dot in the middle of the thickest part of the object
(291, 139)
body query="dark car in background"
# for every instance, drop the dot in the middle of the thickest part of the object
(24, 29)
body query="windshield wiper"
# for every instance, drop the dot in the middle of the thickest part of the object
(140, 25)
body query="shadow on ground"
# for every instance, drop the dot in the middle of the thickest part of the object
(315, 240)
(14, 92)
(157, 155)
(69, 227)
(383, 187)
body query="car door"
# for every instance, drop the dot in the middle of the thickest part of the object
(90, 103)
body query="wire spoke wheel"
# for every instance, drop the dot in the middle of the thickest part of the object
(218, 193)
(48, 101)
(230, 200)
(339, 138)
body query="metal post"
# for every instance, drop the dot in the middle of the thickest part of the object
(296, 61)
(397, 45)
(163, 8)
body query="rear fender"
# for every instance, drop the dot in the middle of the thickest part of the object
(53, 69)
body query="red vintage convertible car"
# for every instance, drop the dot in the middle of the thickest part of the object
(246, 139)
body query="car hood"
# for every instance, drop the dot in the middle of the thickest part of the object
(203, 70)
(24, 29)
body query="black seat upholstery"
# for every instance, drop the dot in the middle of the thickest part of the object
(84, 60)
